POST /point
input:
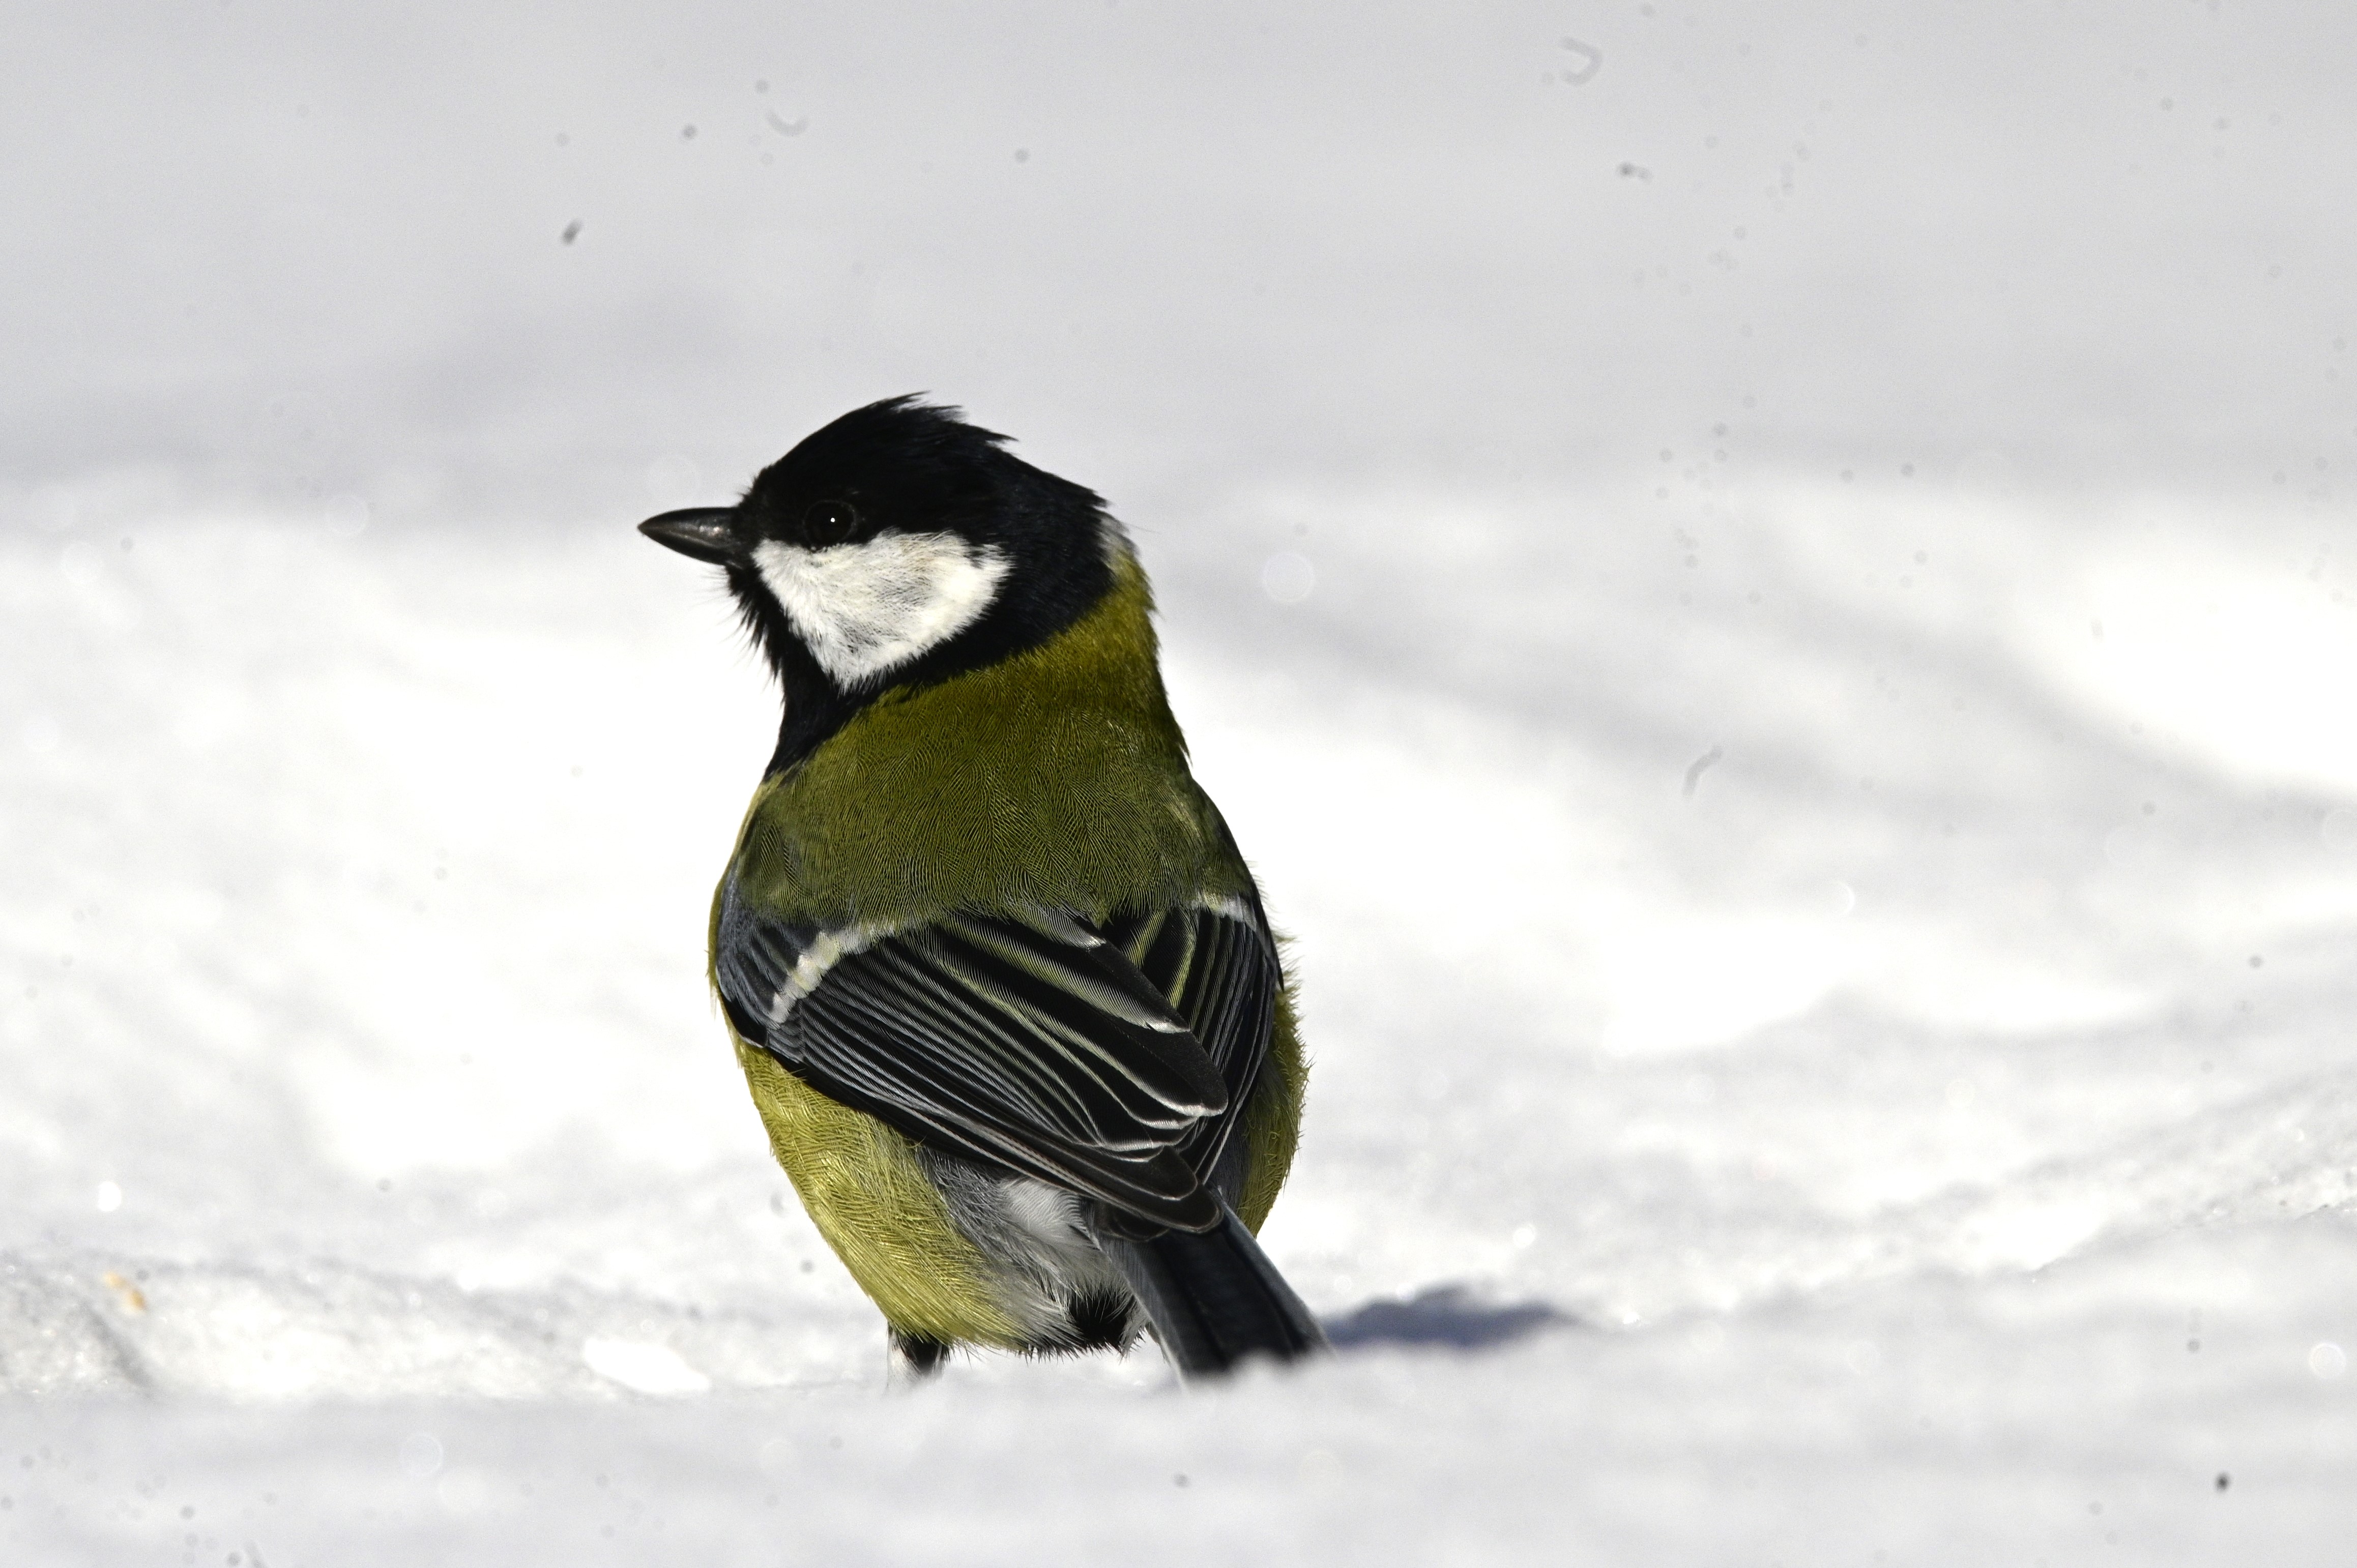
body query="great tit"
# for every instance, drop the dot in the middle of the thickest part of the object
(998, 975)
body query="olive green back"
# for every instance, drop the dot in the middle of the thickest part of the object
(1057, 777)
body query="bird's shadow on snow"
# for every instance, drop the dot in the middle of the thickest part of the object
(1444, 1316)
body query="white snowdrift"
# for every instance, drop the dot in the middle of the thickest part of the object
(1819, 1054)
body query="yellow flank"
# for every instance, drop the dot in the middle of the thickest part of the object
(864, 1191)
(1271, 1128)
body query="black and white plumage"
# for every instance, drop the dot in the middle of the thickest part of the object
(1099, 1059)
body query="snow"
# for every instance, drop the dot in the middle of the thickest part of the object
(1769, 594)
(1841, 1149)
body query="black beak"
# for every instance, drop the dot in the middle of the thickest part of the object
(701, 531)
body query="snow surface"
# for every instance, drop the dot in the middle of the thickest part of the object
(1765, 584)
(1821, 1055)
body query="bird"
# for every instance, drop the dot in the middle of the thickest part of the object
(998, 975)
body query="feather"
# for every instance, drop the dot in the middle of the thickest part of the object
(1106, 1061)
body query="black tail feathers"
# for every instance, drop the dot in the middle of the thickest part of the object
(1213, 1298)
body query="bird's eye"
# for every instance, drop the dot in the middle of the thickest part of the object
(829, 522)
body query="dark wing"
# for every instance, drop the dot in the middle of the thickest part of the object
(1030, 1043)
(1217, 966)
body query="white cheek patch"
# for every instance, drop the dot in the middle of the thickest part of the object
(863, 608)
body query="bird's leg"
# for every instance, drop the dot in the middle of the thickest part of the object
(914, 1358)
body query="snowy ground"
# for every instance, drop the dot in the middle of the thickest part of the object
(1829, 1004)
(1763, 584)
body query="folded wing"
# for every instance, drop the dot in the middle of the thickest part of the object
(1107, 1060)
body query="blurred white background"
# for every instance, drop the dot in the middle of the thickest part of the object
(1768, 588)
(261, 251)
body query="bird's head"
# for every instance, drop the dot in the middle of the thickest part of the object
(900, 545)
